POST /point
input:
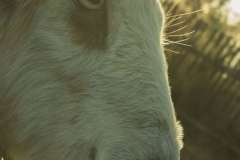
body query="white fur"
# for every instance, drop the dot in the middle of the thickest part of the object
(61, 100)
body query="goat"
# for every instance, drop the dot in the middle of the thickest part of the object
(85, 80)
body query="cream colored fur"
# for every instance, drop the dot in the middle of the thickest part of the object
(77, 84)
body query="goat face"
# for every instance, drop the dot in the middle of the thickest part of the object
(84, 80)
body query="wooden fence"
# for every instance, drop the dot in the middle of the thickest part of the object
(205, 78)
(218, 56)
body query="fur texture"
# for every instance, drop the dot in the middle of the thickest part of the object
(79, 84)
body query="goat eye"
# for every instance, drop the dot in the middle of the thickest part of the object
(91, 4)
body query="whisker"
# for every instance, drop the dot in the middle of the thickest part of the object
(175, 24)
(176, 30)
(176, 41)
(183, 44)
(175, 16)
(182, 40)
(174, 19)
(187, 13)
(172, 7)
(171, 50)
(178, 35)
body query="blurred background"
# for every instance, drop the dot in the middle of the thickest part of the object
(205, 76)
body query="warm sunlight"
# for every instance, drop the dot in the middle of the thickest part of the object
(234, 5)
(234, 11)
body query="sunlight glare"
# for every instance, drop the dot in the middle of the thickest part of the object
(234, 11)
(234, 5)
